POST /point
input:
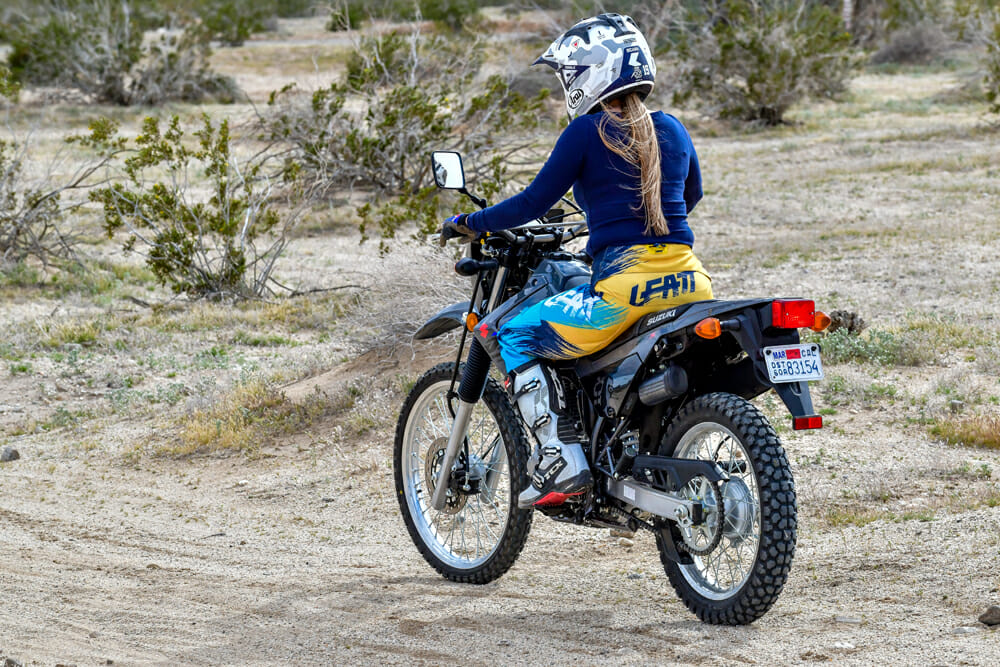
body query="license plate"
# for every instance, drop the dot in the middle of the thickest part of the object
(793, 363)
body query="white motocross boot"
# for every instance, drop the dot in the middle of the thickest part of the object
(557, 469)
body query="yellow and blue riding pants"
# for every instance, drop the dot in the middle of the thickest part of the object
(627, 283)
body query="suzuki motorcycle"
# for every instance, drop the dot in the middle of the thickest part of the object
(675, 446)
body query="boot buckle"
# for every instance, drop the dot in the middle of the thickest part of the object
(541, 421)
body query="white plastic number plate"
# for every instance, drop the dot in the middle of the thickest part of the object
(793, 363)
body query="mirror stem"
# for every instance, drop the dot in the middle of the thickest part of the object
(478, 201)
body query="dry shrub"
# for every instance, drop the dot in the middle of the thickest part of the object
(411, 285)
(245, 419)
(913, 45)
(34, 202)
(971, 431)
(97, 47)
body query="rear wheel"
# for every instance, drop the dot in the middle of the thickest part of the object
(736, 582)
(480, 532)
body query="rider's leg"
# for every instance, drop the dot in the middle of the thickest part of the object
(628, 283)
(560, 467)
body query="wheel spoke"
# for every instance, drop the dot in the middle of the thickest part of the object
(471, 527)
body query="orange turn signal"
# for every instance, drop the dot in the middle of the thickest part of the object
(471, 320)
(709, 328)
(821, 322)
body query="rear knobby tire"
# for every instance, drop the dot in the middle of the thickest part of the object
(739, 581)
(479, 536)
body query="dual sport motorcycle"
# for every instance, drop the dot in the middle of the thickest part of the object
(675, 446)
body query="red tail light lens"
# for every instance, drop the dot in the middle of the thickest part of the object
(804, 423)
(793, 314)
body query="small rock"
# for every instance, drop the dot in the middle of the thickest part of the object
(242, 482)
(622, 532)
(991, 616)
(625, 542)
(853, 620)
(11, 662)
(327, 500)
(964, 630)
(956, 406)
(93, 635)
(9, 454)
(635, 575)
(503, 642)
(844, 646)
(64, 664)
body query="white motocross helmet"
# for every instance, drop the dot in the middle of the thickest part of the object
(600, 58)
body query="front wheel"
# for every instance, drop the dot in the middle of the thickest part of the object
(480, 532)
(736, 582)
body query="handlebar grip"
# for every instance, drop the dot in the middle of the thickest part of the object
(467, 266)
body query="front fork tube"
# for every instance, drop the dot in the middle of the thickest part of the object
(458, 428)
(470, 391)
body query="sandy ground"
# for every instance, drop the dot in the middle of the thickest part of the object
(298, 559)
(885, 204)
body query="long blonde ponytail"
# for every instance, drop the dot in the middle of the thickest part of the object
(638, 145)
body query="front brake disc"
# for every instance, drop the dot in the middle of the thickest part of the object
(454, 501)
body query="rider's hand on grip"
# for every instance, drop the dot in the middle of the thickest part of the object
(454, 228)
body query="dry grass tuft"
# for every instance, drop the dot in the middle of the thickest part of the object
(412, 284)
(249, 416)
(972, 431)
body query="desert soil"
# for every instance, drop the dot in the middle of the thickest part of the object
(295, 553)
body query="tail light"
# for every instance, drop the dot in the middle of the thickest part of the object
(792, 314)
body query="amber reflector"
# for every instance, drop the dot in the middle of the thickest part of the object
(822, 321)
(708, 328)
(471, 320)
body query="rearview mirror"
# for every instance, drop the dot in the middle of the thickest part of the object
(448, 171)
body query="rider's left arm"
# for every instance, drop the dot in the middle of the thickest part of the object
(552, 182)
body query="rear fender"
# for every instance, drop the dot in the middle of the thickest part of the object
(795, 395)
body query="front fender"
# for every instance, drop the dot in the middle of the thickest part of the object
(449, 318)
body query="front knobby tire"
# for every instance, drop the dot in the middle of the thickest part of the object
(741, 578)
(478, 536)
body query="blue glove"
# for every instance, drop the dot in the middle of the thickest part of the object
(454, 228)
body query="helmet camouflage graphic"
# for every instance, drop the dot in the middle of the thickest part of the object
(600, 58)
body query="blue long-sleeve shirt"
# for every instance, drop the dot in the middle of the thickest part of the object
(606, 187)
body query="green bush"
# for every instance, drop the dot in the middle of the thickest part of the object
(448, 13)
(347, 16)
(233, 21)
(10, 89)
(201, 241)
(753, 59)
(96, 47)
(991, 63)
(401, 98)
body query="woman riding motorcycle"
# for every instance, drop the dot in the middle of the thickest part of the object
(636, 176)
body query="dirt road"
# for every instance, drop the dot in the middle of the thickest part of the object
(298, 558)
